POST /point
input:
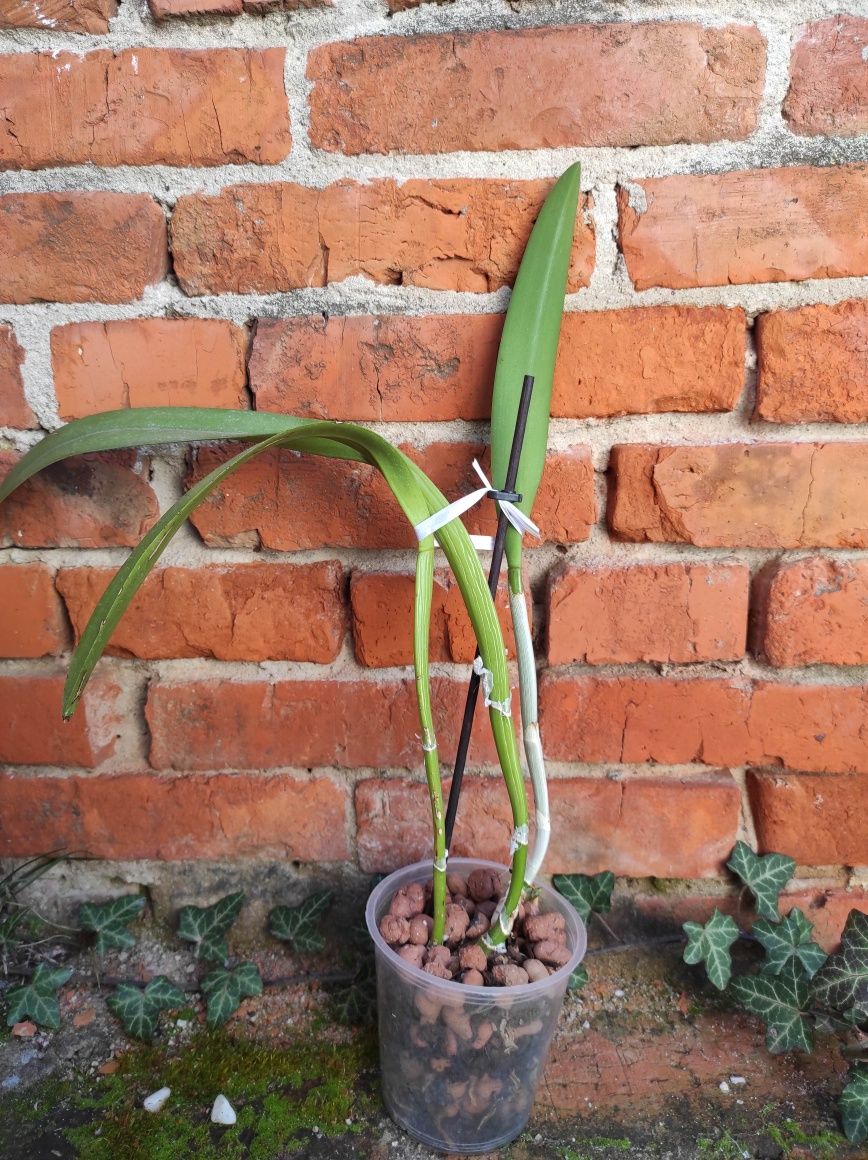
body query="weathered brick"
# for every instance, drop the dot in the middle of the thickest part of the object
(58, 15)
(31, 615)
(672, 613)
(33, 732)
(382, 611)
(813, 612)
(148, 362)
(719, 722)
(142, 815)
(163, 9)
(813, 364)
(14, 408)
(764, 225)
(529, 89)
(597, 823)
(222, 724)
(819, 821)
(283, 502)
(243, 612)
(143, 106)
(398, 368)
(458, 234)
(89, 501)
(772, 495)
(828, 91)
(80, 247)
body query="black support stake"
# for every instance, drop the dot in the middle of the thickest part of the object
(493, 578)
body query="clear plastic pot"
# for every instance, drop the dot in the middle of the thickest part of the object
(460, 1065)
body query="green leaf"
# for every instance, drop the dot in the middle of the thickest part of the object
(297, 925)
(586, 894)
(854, 1107)
(224, 990)
(110, 920)
(842, 983)
(206, 926)
(710, 944)
(138, 1008)
(781, 1001)
(529, 345)
(765, 877)
(577, 979)
(37, 1000)
(788, 939)
(356, 1004)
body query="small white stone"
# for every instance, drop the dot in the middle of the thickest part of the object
(156, 1100)
(619, 994)
(724, 1086)
(737, 1080)
(223, 1112)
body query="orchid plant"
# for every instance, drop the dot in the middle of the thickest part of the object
(528, 346)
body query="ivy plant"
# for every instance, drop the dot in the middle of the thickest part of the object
(588, 894)
(299, 925)
(765, 877)
(138, 1008)
(224, 989)
(110, 921)
(710, 944)
(37, 1000)
(206, 926)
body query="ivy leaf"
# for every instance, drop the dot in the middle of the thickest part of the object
(710, 944)
(788, 939)
(765, 877)
(138, 1008)
(854, 1108)
(297, 924)
(356, 1005)
(586, 893)
(842, 983)
(577, 979)
(37, 999)
(206, 926)
(781, 1002)
(224, 990)
(110, 921)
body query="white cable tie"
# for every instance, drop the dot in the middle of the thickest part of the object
(452, 511)
(520, 836)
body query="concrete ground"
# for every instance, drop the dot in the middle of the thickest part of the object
(647, 1061)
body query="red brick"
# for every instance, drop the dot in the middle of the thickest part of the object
(813, 612)
(80, 247)
(672, 613)
(765, 225)
(31, 615)
(458, 234)
(144, 106)
(719, 722)
(828, 79)
(282, 502)
(142, 815)
(763, 495)
(529, 89)
(597, 824)
(819, 821)
(148, 362)
(89, 501)
(813, 364)
(14, 408)
(163, 9)
(33, 732)
(398, 368)
(382, 609)
(243, 612)
(264, 725)
(58, 15)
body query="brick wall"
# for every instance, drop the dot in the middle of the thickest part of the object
(317, 209)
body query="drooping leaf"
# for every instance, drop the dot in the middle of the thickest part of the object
(578, 978)
(710, 944)
(764, 876)
(206, 926)
(787, 939)
(138, 1008)
(781, 1001)
(586, 894)
(842, 982)
(224, 990)
(37, 1000)
(854, 1107)
(110, 920)
(297, 925)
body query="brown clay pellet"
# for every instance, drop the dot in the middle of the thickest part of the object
(395, 929)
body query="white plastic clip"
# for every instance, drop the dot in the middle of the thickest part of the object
(452, 511)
